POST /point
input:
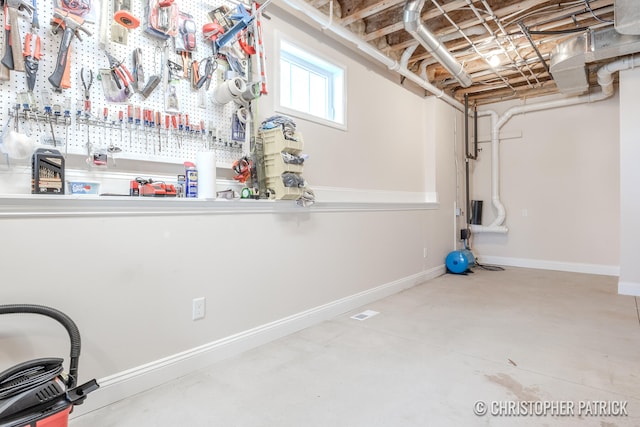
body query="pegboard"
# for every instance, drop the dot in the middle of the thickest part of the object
(73, 131)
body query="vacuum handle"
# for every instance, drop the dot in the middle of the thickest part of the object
(64, 320)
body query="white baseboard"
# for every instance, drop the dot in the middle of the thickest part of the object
(574, 267)
(629, 288)
(132, 381)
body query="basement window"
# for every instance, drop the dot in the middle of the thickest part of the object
(311, 87)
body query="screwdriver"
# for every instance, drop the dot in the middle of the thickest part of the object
(145, 114)
(137, 113)
(121, 120)
(166, 127)
(105, 116)
(173, 123)
(130, 121)
(203, 134)
(159, 124)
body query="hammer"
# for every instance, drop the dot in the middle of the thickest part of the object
(72, 24)
(13, 6)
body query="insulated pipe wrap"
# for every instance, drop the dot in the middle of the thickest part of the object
(417, 29)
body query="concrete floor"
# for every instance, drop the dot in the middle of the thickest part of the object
(432, 351)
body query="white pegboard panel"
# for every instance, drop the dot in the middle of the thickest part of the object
(73, 132)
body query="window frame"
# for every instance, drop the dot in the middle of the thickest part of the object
(279, 108)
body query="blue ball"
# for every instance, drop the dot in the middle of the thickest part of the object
(457, 262)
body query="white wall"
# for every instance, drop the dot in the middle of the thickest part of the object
(629, 182)
(560, 187)
(386, 124)
(128, 279)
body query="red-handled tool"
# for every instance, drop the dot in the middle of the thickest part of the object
(7, 58)
(121, 74)
(13, 7)
(72, 24)
(31, 60)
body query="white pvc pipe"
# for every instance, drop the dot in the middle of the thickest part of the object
(496, 123)
(605, 79)
(374, 53)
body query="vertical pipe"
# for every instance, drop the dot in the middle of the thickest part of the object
(466, 156)
(475, 131)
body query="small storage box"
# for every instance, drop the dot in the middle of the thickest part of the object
(83, 187)
(47, 172)
(275, 142)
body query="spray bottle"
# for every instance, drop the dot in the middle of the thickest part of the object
(191, 181)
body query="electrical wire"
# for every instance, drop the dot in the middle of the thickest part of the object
(557, 32)
(489, 267)
(586, 2)
(542, 11)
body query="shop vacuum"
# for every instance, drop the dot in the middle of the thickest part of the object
(37, 393)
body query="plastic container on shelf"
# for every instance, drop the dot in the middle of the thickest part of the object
(281, 192)
(83, 187)
(275, 142)
(275, 165)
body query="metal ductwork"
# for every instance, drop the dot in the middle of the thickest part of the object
(627, 16)
(569, 58)
(414, 26)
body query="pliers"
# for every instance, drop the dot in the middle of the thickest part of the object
(87, 89)
(31, 60)
(121, 74)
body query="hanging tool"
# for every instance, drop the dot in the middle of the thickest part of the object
(76, 7)
(31, 60)
(138, 70)
(164, 15)
(72, 25)
(153, 82)
(47, 112)
(210, 65)
(158, 123)
(211, 31)
(6, 63)
(121, 74)
(167, 120)
(175, 127)
(123, 15)
(130, 121)
(86, 85)
(145, 114)
(151, 127)
(35, 22)
(13, 7)
(262, 66)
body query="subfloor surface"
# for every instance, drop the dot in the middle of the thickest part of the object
(563, 346)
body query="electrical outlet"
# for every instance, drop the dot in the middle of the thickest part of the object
(199, 308)
(424, 252)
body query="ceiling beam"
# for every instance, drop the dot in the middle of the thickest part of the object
(585, 19)
(318, 3)
(371, 10)
(581, 14)
(449, 7)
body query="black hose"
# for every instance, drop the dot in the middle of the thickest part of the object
(64, 320)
